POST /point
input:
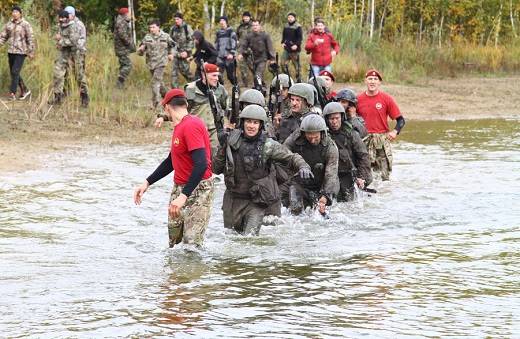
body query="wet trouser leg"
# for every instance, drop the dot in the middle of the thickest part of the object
(346, 190)
(191, 226)
(382, 164)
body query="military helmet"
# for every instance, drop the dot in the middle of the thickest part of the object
(254, 111)
(284, 81)
(347, 94)
(313, 123)
(333, 107)
(321, 82)
(252, 96)
(304, 91)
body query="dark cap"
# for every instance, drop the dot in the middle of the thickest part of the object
(63, 14)
(291, 14)
(223, 17)
(246, 13)
(373, 73)
(173, 93)
(178, 15)
(17, 8)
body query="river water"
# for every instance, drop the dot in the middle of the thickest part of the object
(435, 253)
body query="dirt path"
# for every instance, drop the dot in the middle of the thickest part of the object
(21, 141)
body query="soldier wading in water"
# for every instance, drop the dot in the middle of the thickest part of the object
(247, 159)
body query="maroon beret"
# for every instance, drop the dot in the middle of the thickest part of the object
(173, 93)
(210, 68)
(373, 73)
(329, 74)
(123, 11)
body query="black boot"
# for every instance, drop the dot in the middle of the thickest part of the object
(85, 100)
(57, 99)
(120, 83)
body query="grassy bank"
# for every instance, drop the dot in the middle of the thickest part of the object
(401, 62)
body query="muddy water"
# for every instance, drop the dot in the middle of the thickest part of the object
(435, 252)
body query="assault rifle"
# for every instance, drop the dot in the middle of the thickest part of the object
(217, 116)
(321, 97)
(235, 109)
(274, 104)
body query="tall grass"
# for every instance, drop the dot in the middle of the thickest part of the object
(400, 61)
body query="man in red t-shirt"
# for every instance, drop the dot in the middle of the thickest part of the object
(190, 155)
(376, 107)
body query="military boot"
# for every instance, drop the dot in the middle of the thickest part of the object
(120, 83)
(85, 100)
(57, 99)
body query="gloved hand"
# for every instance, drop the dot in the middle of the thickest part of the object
(305, 173)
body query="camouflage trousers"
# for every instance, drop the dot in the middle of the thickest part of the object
(292, 57)
(380, 153)
(158, 88)
(191, 226)
(180, 66)
(125, 65)
(246, 66)
(66, 62)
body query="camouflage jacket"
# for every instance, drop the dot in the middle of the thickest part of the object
(242, 30)
(183, 38)
(123, 39)
(271, 152)
(19, 37)
(69, 37)
(82, 32)
(157, 48)
(326, 153)
(260, 45)
(198, 102)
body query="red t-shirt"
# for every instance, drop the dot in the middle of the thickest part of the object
(190, 134)
(376, 110)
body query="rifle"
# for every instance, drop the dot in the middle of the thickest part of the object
(217, 117)
(298, 70)
(235, 109)
(275, 92)
(321, 97)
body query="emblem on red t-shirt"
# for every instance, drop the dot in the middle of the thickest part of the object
(176, 141)
(379, 105)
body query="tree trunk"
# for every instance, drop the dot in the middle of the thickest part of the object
(419, 34)
(512, 18)
(355, 9)
(207, 21)
(440, 31)
(212, 15)
(382, 19)
(372, 18)
(222, 7)
(499, 25)
(312, 12)
(362, 14)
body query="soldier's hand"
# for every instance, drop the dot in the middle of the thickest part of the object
(229, 57)
(170, 57)
(184, 55)
(333, 53)
(277, 120)
(176, 205)
(240, 57)
(294, 47)
(305, 173)
(158, 122)
(360, 183)
(391, 135)
(139, 191)
(322, 204)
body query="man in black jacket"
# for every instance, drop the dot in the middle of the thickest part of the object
(291, 41)
(204, 52)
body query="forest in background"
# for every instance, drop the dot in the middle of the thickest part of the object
(406, 40)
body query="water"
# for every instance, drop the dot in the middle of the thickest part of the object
(434, 253)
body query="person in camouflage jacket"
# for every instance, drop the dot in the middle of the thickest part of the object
(182, 34)
(18, 35)
(158, 48)
(246, 65)
(123, 45)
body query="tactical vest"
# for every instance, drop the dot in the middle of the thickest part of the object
(254, 178)
(315, 157)
(343, 140)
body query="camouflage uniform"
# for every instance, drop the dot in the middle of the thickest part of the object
(250, 176)
(71, 49)
(261, 47)
(198, 104)
(157, 48)
(193, 222)
(19, 36)
(78, 58)
(183, 38)
(123, 45)
(380, 152)
(246, 65)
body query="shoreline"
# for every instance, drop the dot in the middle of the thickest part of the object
(23, 141)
